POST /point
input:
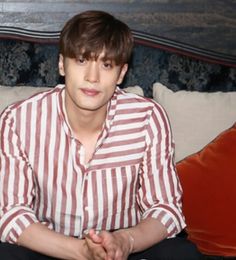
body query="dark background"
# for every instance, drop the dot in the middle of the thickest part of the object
(209, 24)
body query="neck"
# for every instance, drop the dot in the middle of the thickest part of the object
(85, 122)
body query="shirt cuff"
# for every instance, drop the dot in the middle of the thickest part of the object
(14, 222)
(173, 223)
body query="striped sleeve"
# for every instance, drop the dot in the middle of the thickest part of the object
(16, 183)
(160, 191)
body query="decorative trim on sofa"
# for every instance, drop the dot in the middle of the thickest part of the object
(185, 49)
(28, 35)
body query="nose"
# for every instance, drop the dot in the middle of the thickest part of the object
(92, 72)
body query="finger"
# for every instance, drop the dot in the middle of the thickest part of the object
(94, 236)
(111, 252)
(100, 254)
(97, 251)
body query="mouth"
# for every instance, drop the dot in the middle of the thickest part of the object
(90, 92)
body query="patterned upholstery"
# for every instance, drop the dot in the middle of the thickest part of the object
(31, 60)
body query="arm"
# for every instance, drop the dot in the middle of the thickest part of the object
(160, 193)
(154, 232)
(16, 183)
(41, 239)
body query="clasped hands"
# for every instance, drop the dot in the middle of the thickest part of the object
(109, 245)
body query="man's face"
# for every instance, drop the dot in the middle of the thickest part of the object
(91, 83)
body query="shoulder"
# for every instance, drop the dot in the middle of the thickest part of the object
(127, 100)
(33, 100)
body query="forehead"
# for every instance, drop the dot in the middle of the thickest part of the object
(97, 55)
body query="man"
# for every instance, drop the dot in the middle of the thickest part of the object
(86, 169)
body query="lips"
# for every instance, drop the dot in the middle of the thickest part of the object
(90, 92)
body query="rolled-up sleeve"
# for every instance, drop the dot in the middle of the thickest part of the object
(160, 193)
(16, 183)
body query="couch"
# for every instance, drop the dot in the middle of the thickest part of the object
(196, 87)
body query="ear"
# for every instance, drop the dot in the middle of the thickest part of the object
(123, 71)
(61, 65)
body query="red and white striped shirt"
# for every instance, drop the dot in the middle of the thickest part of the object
(43, 177)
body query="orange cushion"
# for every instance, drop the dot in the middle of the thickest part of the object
(208, 179)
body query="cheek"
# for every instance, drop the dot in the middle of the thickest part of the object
(73, 76)
(110, 78)
(109, 90)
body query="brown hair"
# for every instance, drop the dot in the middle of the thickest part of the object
(91, 32)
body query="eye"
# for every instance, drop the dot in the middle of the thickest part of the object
(107, 65)
(81, 60)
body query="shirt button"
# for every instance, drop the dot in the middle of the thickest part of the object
(86, 208)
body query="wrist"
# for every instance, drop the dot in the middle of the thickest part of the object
(128, 239)
(78, 249)
(131, 243)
